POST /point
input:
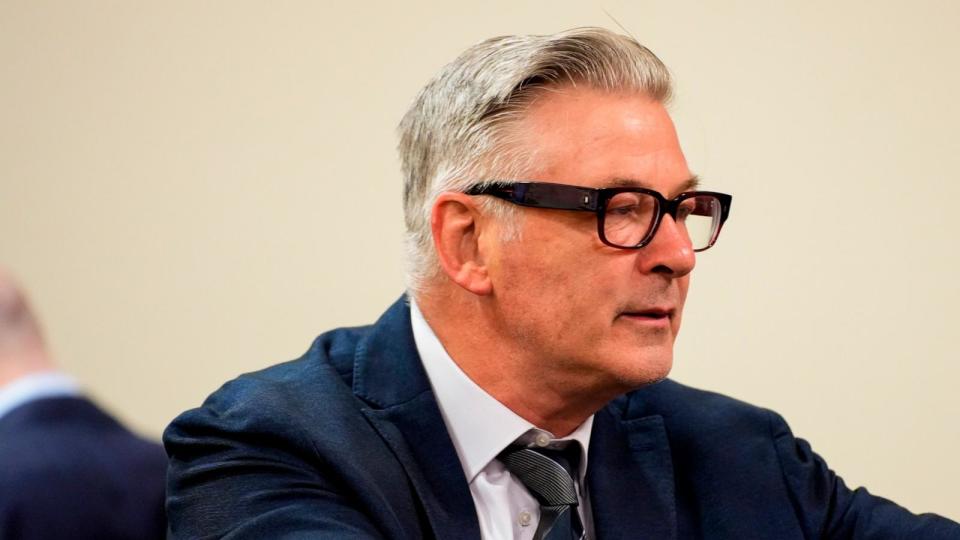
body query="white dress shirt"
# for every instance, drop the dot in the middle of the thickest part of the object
(481, 427)
(36, 386)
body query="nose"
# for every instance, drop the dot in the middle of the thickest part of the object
(670, 252)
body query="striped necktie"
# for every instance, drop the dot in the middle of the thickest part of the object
(547, 474)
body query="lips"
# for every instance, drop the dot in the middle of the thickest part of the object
(650, 313)
(654, 313)
(657, 317)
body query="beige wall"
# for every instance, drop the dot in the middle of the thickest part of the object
(191, 190)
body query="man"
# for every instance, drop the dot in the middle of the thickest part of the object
(518, 390)
(67, 469)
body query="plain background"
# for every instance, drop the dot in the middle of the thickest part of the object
(192, 190)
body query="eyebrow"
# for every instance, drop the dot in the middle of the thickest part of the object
(689, 184)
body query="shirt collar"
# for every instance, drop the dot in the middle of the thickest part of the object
(479, 425)
(36, 386)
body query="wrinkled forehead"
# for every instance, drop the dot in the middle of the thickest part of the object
(597, 138)
(690, 184)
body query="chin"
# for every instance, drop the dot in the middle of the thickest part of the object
(655, 374)
(652, 368)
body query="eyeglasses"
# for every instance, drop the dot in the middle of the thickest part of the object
(627, 217)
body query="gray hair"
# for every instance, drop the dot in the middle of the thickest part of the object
(456, 133)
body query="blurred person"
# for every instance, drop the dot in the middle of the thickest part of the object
(68, 470)
(518, 389)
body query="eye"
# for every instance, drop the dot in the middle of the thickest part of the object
(623, 210)
(631, 204)
(686, 208)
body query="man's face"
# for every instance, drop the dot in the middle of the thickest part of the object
(586, 315)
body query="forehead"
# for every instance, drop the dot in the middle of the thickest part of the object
(595, 138)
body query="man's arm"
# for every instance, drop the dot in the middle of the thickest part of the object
(236, 472)
(827, 508)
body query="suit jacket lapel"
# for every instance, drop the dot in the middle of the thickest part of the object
(630, 477)
(389, 376)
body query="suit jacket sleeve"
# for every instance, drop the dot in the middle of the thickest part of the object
(827, 508)
(240, 468)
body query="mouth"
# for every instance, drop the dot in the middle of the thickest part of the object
(650, 316)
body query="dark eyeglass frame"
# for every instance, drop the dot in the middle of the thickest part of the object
(566, 197)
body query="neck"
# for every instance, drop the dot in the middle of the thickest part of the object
(548, 397)
(18, 364)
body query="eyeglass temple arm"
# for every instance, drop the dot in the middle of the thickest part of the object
(543, 195)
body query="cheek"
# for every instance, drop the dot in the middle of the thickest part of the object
(683, 284)
(545, 286)
(559, 273)
(545, 263)
(546, 289)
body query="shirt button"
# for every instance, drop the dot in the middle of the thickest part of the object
(542, 440)
(524, 518)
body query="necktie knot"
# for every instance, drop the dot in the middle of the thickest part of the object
(548, 475)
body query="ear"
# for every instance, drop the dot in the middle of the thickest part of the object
(457, 228)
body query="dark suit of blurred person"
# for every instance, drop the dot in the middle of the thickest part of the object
(68, 470)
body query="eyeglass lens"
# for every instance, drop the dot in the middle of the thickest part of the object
(629, 216)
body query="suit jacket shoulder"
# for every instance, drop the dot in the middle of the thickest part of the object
(331, 459)
(731, 458)
(69, 470)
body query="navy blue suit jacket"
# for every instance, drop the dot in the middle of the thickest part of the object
(70, 471)
(348, 442)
